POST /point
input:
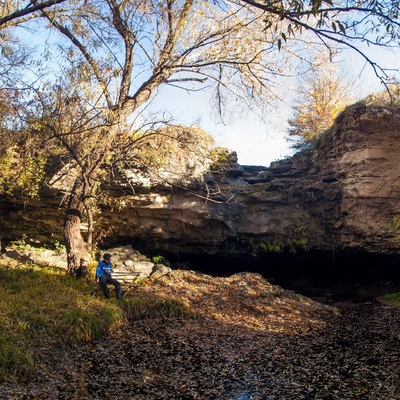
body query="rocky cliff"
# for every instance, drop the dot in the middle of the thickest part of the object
(339, 196)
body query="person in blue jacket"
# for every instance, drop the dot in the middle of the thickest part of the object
(103, 274)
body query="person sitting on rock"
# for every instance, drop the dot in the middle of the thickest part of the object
(103, 273)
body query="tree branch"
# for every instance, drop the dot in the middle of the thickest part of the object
(30, 9)
(91, 61)
(129, 38)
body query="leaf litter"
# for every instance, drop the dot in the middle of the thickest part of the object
(250, 340)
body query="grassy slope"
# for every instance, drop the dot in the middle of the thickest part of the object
(43, 308)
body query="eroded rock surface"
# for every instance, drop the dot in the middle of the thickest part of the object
(342, 196)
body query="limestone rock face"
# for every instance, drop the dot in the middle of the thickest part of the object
(341, 196)
(365, 150)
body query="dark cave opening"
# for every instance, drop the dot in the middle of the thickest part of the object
(351, 275)
(308, 272)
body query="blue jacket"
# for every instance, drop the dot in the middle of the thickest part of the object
(103, 269)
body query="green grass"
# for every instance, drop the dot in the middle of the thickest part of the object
(393, 296)
(15, 362)
(46, 307)
(139, 308)
(43, 308)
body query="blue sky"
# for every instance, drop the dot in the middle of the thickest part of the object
(257, 142)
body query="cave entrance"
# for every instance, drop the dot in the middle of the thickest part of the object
(341, 273)
(346, 275)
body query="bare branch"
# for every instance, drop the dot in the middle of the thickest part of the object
(85, 52)
(128, 38)
(33, 7)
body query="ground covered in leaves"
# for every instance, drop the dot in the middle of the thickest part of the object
(246, 339)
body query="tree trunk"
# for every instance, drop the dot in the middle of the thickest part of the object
(74, 241)
(3, 244)
(80, 200)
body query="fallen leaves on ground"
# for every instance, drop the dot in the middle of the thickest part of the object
(244, 299)
(255, 341)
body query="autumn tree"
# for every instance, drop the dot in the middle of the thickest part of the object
(322, 93)
(21, 173)
(74, 134)
(121, 53)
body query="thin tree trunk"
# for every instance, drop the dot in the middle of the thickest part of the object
(80, 201)
(90, 244)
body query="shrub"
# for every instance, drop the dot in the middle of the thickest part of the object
(160, 260)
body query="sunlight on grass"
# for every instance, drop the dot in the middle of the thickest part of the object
(44, 305)
(45, 308)
(139, 308)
